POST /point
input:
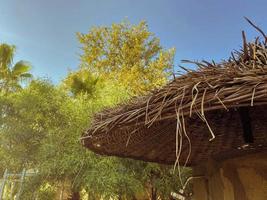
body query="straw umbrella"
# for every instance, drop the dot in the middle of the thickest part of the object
(212, 119)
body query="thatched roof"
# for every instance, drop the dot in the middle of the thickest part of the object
(212, 111)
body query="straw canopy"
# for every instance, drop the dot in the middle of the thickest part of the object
(218, 110)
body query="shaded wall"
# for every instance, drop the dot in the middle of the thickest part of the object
(241, 178)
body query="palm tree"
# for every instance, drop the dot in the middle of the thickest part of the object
(11, 75)
(82, 82)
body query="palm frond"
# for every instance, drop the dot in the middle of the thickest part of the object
(21, 67)
(6, 55)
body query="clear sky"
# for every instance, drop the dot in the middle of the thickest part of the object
(44, 30)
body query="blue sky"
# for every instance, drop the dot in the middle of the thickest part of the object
(44, 30)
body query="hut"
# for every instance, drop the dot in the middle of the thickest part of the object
(213, 119)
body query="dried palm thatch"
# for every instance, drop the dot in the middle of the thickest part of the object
(194, 117)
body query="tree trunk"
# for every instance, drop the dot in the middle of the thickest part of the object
(134, 197)
(119, 197)
(153, 193)
(75, 196)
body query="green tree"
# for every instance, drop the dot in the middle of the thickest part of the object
(12, 75)
(40, 130)
(129, 55)
(127, 60)
(82, 83)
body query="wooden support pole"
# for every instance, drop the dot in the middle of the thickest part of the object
(246, 124)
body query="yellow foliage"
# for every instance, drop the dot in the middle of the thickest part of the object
(129, 55)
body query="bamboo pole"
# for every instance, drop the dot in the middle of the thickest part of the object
(21, 183)
(3, 185)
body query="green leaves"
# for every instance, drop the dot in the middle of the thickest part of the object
(12, 76)
(21, 67)
(6, 56)
(82, 83)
